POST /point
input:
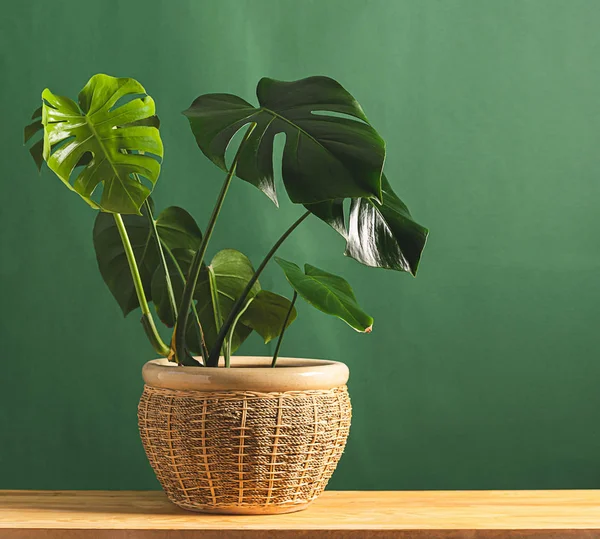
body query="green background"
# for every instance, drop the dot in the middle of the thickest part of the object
(481, 373)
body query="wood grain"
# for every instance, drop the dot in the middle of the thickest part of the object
(392, 514)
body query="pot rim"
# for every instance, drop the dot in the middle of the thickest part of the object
(248, 373)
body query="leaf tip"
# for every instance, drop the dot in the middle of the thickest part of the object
(369, 329)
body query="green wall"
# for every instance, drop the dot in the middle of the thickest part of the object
(481, 373)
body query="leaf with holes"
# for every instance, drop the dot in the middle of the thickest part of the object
(326, 156)
(99, 141)
(328, 293)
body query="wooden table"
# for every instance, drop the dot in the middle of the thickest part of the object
(449, 514)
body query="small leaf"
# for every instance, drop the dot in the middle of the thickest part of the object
(178, 229)
(328, 293)
(326, 156)
(232, 271)
(266, 314)
(385, 235)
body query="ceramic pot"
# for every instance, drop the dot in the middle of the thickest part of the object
(250, 439)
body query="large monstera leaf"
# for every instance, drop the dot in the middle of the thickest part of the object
(326, 156)
(385, 235)
(100, 141)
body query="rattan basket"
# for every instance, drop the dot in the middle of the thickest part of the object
(250, 439)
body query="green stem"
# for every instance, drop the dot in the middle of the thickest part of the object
(181, 353)
(163, 261)
(147, 321)
(214, 296)
(287, 317)
(231, 331)
(203, 348)
(213, 359)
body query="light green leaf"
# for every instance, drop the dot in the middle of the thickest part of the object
(328, 293)
(111, 144)
(266, 314)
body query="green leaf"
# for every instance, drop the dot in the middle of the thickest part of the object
(175, 226)
(328, 293)
(178, 262)
(232, 271)
(36, 149)
(385, 235)
(325, 156)
(110, 140)
(266, 314)
(332, 212)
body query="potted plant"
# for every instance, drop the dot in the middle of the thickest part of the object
(227, 433)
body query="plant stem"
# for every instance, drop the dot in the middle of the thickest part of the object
(214, 296)
(181, 352)
(147, 321)
(231, 331)
(203, 348)
(213, 359)
(163, 261)
(287, 317)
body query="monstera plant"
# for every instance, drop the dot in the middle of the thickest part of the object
(106, 147)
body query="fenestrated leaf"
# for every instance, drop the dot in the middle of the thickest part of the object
(325, 156)
(117, 139)
(266, 314)
(385, 235)
(177, 229)
(328, 293)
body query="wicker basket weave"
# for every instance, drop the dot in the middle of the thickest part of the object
(244, 451)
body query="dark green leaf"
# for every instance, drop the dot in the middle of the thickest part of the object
(332, 212)
(325, 156)
(266, 314)
(37, 149)
(328, 293)
(178, 262)
(175, 226)
(385, 235)
(232, 271)
(117, 138)
(178, 229)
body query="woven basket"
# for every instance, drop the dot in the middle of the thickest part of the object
(261, 441)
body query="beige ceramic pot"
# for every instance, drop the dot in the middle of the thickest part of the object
(246, 440)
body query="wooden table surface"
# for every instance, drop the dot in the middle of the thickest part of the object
(388, 514)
